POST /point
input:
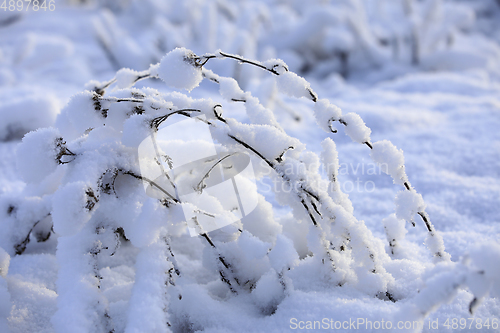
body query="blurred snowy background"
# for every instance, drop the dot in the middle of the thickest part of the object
(423, 74)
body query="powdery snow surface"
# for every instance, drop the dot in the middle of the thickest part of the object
(411, 134)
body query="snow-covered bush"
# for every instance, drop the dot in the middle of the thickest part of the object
(313, 37)
(126, 259)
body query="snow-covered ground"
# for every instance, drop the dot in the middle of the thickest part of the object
(444, 113)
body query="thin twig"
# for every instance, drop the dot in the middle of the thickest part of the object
(244, 144)
(155, 123)
(198, 187)
(149, 181)
(251, 62)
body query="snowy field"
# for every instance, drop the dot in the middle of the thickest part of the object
(83, 249)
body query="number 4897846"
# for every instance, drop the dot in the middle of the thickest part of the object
(36, 5)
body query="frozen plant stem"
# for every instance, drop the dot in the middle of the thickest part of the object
(221, 258)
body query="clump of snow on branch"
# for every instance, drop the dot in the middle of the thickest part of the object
(390, 159)
(179, 70)
(293, 85)
(325, 114)
(37, 156)
(395, 231)
(355, 128)
(408, 203)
